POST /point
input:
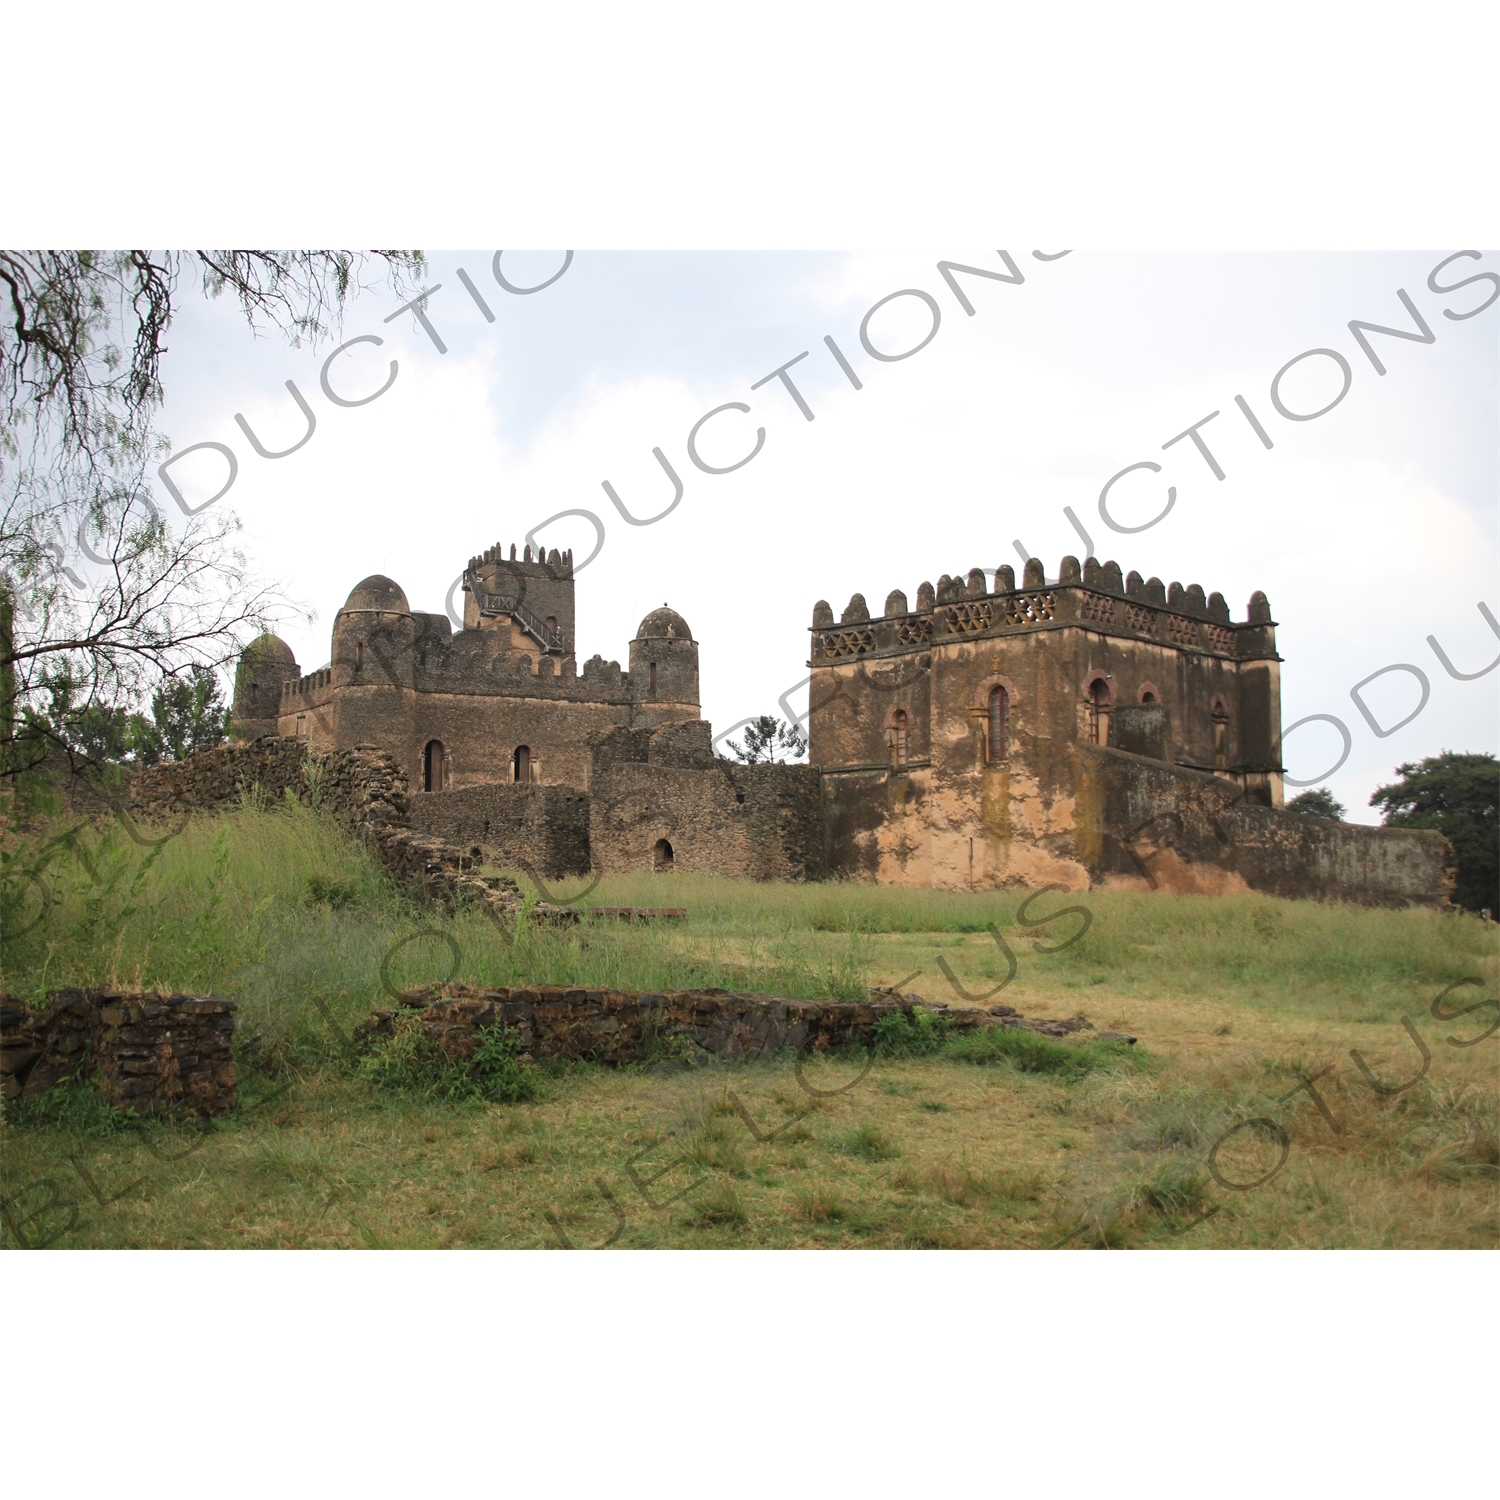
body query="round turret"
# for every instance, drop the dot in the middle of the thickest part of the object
(664, 624)
(663, 670)
(265, 665)
(377, 592)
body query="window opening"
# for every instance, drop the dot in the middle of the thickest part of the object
(1098, 712)
(999, 738)
(434, 766)
(900, 731)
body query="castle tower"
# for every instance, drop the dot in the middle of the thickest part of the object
(264, 666)
(529, 597)
(373, 635)
(663, 670)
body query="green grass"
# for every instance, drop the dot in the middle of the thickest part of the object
(996, 1137)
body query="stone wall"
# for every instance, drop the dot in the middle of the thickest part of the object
(358, 786)
(1165, 827)
(543, 827)
(1089, 815)
(147, 1051)
(753, 822)
(620, 1026)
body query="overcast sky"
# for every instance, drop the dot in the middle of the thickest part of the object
(1370, 527)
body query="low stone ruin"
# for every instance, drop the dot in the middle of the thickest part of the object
(619, 1026)
(147, 1052)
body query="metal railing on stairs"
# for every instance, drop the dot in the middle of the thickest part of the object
(503, 604)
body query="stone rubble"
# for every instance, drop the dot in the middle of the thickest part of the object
(620, 1026)
(147, 1051)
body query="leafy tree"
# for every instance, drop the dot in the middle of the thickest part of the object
(187, 714)
(1457, 794)
(1318, 803)
(767, 735)
(82, 334)
(95, 732)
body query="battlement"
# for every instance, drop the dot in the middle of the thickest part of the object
(544, 564)
(1091, 595)
(533, 594)
(303, 687)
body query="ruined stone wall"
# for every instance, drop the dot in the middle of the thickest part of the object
(616, 1026)
(357, 786)
(1190, 831)
(1071, 814)
(216, 778)
(146, 1051)
(755, 822)
(544, 827)
(621, 1026)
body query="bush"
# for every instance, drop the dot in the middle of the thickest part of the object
(407, 1061)
(916, 1035)
(1031, 1052)
(868, 1142)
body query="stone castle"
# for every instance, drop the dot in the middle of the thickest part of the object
(1089, 730)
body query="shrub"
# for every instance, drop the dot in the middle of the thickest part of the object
(916, 1035)
(327, 891)
(409, 1062)
(869, 1142)
(1031, 1052)
(721, 1204)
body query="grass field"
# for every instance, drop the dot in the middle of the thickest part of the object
(930, 1142)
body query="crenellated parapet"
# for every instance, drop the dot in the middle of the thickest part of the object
(553, 564)
(1091, 595)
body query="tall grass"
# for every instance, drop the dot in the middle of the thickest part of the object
(283, 911)
(1154, 940)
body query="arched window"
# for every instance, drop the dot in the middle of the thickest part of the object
(999, 736)
(900, 730)
(254, 692)
(1219, 713)
(359, 655)
(661, 856)
(1148, 695)
(434, 766)
(520, 764)
(1099, 712)
(551, 622)
(651, 676)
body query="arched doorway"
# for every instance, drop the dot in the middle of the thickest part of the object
(1099, 696)
(999, 735)
(434, 766)
(661, 856)
(520, 764)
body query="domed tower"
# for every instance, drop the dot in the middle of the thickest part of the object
(663, 670)
(264, 665)
(373, 635)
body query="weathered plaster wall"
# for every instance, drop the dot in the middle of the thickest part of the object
(1191, 831)
(1070, 815)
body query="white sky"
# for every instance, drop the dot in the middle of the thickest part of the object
(1369, 528)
